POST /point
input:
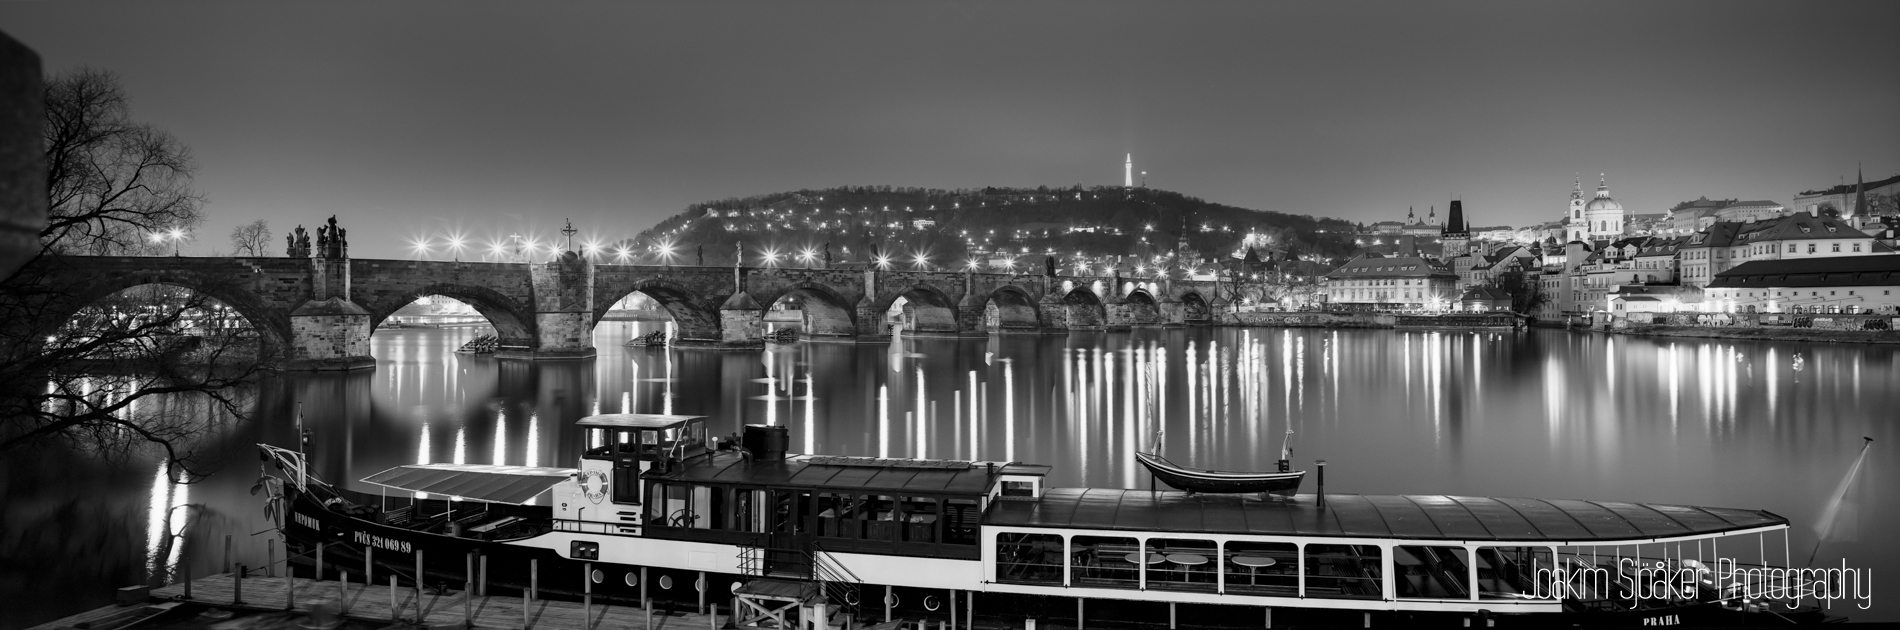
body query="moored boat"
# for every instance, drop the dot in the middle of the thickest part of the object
(657, 510)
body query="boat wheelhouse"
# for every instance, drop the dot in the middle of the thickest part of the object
(658, 510)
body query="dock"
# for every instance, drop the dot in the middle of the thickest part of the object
(373, 604)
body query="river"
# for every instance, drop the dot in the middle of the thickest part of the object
(1544, 413)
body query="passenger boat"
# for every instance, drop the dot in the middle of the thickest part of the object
(658, 512)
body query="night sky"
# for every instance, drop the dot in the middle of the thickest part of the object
(423, 118)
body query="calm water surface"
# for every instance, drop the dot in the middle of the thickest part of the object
(1547, 414)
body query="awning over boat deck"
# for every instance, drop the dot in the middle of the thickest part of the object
(1408, 517)
(635, 420)
(481, 482)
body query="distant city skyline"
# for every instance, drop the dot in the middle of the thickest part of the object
(431, 118)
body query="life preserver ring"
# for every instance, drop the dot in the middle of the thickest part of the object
(596, 491)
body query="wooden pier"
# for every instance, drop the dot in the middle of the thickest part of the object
(373, 604)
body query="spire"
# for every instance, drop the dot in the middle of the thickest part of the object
(1603, 186)
(1410, 218)
(1860, 192)
(1128, 171)
(1455, 222)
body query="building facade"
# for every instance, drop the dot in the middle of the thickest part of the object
(1845, 284)
(1392, 283)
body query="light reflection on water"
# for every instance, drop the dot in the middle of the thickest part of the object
(1543, 414)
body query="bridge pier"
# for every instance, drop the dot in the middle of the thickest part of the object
(1172, 313)
(1052, 314)
(1119, 313)
(563, 310)
(332, 334)
(329, 332)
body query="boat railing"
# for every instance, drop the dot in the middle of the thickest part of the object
(837, 581)
(585, 527)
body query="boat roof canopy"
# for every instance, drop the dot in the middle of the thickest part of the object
(845, 474)
(481, 482)
(635, 420)
(1409, 517)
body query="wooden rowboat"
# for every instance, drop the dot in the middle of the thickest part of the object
(1217, 481)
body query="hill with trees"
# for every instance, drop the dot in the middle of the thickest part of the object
(950, 228)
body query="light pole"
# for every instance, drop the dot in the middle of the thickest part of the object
(177, 234)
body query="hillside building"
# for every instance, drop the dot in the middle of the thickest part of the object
(1801, 235)
(1847, 200)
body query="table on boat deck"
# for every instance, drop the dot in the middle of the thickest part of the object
(1187, 562)
(1253, 564)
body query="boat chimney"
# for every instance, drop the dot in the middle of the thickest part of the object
(765, 443)
(1321, 464)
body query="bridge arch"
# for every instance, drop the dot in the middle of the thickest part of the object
(691, 315)
(1142, 307)
(826, 314)
(1010, 308)
(932, 310)
(1195, 308)
(513, 321)
(272, 324)
(1085, 308)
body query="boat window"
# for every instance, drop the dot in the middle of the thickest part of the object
(1343, 571)
(838, 515)
(964, 517)
(1431, 572)
(1262, 568)
(749, 510)
(920, 519)
(880, 517)
(656, 505)
(1186, 565)
(1023, 558)
(1511, 572)
(1108, 561)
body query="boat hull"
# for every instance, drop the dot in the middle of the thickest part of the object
(1215, 482)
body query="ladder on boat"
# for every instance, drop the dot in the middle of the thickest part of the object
(791, 571)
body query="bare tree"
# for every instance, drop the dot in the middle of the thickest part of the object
(135, 370)
(250, 239)
(111, 183)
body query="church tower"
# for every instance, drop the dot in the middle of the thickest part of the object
(1573, 221)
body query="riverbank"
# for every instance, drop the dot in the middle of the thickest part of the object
(1765, 334)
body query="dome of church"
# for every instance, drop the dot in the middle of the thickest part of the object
(1604, 204)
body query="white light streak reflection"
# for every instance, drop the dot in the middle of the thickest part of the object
(501, 437)
(1009, 410)
(883, 421)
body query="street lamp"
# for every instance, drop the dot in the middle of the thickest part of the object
(177, 234)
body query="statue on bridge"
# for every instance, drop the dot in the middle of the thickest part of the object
(827, 254)
(1049, 266)
(700, 251)
(738, 256)
(297, 243)
(330, 240)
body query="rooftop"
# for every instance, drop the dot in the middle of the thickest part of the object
(897, 476)
(1394, 267)
(1837, 271)
(1410, 517)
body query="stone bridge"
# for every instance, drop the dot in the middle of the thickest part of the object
(319, 312)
